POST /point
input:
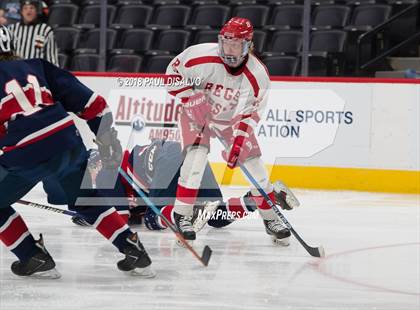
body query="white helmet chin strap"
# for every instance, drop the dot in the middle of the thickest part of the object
(233, 61)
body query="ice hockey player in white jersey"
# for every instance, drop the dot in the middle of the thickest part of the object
(231, 97)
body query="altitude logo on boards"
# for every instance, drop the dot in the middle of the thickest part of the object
(160, 112)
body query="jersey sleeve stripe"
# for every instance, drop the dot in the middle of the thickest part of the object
(203, 60)
(41, 134)
(95, 107)
(253, 117)
(128, 168)
(178, 91)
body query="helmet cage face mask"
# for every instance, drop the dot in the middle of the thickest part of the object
(233, 60)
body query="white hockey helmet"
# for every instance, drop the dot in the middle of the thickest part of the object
(6, 40)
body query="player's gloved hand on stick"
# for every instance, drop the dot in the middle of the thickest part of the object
(197, 108)
(150, 220)
(235, 153)
(109, 147)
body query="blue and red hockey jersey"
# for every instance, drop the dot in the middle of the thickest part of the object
(146, 167)
(35, 99)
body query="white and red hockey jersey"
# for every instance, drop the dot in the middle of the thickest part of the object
(238, 98)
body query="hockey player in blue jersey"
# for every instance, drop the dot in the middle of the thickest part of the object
(155, 168)
(38, 139)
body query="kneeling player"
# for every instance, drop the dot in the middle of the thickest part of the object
(155, 168)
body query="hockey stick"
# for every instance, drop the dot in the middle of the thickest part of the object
(313, 251)
(48, 208)
(204, 258)
(137, 126)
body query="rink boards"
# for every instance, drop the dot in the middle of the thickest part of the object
(350, 134)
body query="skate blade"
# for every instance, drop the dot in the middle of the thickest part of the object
(281, 242)
(49, 274)
(180, 244)
(146, 273)
(202, 220)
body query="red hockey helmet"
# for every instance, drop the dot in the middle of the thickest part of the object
(235, 40)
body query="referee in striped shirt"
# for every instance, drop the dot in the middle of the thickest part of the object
(32, 37)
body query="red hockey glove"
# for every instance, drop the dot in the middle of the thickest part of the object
(235, 152)
(197, 108)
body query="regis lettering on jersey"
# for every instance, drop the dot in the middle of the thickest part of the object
(219, 90)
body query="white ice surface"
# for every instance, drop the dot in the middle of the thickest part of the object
(372, 242)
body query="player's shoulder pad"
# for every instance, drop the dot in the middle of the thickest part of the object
(199, 50)
(257, 67)
(259, 71)
(38, 63)
(34, 61)
(43, 62)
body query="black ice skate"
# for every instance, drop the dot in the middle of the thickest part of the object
(184, 225)
(202, 214)
(279, 233)
(41, 265)
(136, 262)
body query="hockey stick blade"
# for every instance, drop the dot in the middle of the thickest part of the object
(204, 258)
(206, 255)
(315, 252)
(138, 125)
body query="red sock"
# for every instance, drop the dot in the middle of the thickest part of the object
(110, 224)
(13, 231)
(15, 234)
(168, 213)
(237, 206)
(186, 195)
(262, 203)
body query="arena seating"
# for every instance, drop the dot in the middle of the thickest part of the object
(149, 33)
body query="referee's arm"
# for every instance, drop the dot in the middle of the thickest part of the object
(50, 49)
